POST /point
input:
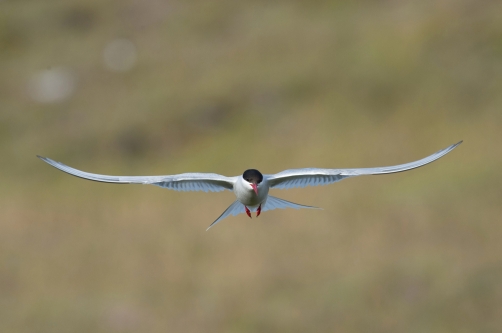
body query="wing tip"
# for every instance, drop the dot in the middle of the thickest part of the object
(453, 146)
(47, 160)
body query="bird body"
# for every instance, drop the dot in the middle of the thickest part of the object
(246, 194)
(252, 187)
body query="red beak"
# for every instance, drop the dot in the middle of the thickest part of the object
(255, 188)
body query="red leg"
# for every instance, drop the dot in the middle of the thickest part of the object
(258, 211)
(248, 211)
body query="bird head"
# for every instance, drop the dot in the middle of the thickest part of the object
(253, 177)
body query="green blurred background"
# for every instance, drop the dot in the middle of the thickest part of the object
(148, 87)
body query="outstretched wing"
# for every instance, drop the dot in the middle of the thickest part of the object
(183, 182)
(313, 177)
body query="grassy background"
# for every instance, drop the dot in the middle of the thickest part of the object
(221, 86)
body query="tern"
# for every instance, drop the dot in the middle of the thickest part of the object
(252, 187)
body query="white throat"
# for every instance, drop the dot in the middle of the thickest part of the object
(246, 195)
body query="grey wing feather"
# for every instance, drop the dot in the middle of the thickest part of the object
(235, 208)
(183, 182)
(313, 177)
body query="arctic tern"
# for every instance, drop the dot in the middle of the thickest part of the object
(251, 188)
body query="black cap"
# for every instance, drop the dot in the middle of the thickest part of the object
(252, 176)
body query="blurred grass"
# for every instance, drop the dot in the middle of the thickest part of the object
(222, 86)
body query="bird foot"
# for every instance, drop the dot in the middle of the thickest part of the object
(258, 211)
(248, 212)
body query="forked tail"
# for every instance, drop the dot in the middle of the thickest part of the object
(276, 203)
(272, 203)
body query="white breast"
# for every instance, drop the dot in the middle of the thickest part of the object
(245, 193)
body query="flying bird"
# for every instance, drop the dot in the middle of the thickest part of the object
(252, 187)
